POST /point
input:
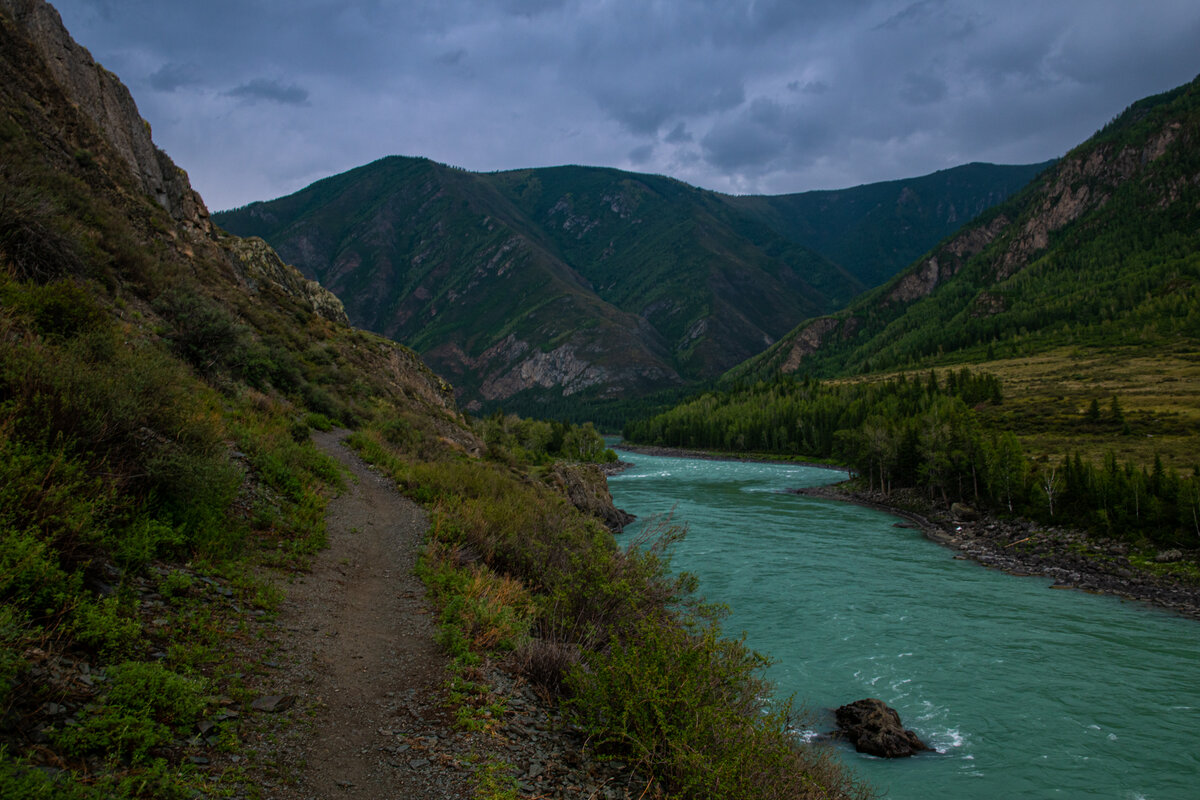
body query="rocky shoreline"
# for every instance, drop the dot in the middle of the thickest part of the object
(1072, 558)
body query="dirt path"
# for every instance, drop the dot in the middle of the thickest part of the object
(354, 645)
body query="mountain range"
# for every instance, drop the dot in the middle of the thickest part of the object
(535, 288)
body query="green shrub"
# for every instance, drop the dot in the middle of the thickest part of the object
(20, 780)
(60, 309)
(145, 707)
(31, 578)
(202, 332)
(12, 636)
(318, 422)
(108, 626)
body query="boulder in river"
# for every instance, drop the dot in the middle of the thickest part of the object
(875, 728)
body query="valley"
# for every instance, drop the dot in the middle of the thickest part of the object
(222, 435)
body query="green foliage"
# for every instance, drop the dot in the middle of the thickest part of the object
(146, 706)
(512, 565)
(108, 626)
(537, 442)
(12, 636)
(202, 332)
(494, 781)
(1124, 272)
(24, 781)
(688, 705)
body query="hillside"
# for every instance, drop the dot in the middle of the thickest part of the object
(508, 284)
(531, 286)
(1082, 286)
(876, 230)
(161, 493)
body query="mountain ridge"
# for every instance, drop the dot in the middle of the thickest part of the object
(590, 283)
(962, 293)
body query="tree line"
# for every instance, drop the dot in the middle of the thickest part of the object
(924, 433)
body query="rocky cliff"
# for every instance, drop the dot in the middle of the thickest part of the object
(108, 104)
(99, 97)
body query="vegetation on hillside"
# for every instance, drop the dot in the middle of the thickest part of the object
(930, 433)
(650, 282)
(536, 442)
(615, 634)
(1102, 252)
(155, 465)
(876, 230)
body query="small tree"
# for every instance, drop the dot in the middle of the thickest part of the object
(1051, 485)
(1114, 410)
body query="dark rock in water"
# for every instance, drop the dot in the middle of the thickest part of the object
(874, 728)
(963, 512)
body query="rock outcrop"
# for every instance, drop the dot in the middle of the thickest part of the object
(875, 728)
(257, 265)
(587, 489)
(103, 99)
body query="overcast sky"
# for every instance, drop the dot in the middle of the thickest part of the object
(259, 98)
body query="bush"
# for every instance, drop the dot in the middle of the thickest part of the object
(108, 627)
(203, 333)
(144, 708)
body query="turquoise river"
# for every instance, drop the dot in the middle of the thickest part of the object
(1024, 692)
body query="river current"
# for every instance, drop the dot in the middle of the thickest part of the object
(1022, 691)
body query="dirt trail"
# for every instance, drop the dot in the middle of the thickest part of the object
(355, 646)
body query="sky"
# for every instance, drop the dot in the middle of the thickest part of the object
(259, 98)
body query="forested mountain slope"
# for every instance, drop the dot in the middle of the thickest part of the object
(1101, 251)
(589, 283)
(875, 230)
(571, 282)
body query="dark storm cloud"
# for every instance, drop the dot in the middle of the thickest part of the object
(170, 77)
(678, 135)
(736, 95)
(273, 91)
(766, 134)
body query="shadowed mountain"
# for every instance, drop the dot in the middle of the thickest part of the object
(876, 230)
(529, 286)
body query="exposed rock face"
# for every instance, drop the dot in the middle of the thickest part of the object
(587, 489)
(874, 728)
(513, 365)
(808, 341)
(945, 263)
(102, 97)
(1081, 184)
(257, 264)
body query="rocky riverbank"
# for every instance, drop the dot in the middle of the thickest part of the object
(1071, 558)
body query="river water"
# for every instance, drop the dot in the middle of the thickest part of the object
(1023, 691)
